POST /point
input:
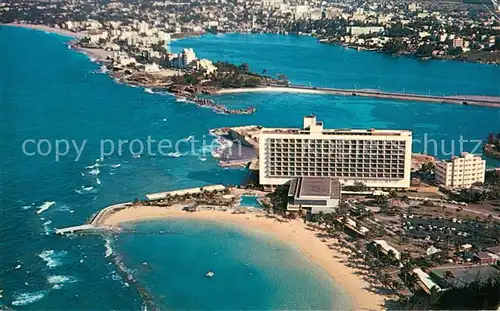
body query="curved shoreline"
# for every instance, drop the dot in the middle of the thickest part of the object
(294, 232)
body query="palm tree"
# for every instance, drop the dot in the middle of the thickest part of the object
(385, 279)
(435, 295)
(381, 200)
(396, 286)
(393, 194)
(378, 248)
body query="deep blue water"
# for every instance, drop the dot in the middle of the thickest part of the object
(305, 61)
(50, 92)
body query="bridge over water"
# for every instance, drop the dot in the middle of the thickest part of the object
(475, 100)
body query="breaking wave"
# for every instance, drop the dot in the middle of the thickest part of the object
(45, 206)
(109, 248)
(52, 258)
(83, 190)
(95, 171)
(174, 154)
(46, 227)
(59, 280)
(27, 207)
(23, 299)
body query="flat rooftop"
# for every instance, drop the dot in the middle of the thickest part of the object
(315, 127)
(361, 132)
(315, 187)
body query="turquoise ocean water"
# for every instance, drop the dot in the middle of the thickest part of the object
(50, 92)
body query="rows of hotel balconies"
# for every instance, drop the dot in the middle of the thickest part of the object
(384, 170)
(372, 173)
(333, 156)
(339, 143)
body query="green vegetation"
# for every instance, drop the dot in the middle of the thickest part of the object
(425, 50)
(357, 187)
(227, 76)
(494, 141)
(394, 47)
(489, 191)
(279, 199)
(427, 167)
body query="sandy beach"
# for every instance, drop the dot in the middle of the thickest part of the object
(99, 55)
(294, 231)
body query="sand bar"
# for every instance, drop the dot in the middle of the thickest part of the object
(294, 231)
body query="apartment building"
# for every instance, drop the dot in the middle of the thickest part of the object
(381, 159)
(461, 172)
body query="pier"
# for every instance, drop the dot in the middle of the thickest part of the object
(74, 229)
(474, 100)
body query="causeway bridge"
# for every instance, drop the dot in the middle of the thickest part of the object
(475, 100)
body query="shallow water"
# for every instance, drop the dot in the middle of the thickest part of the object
(253, 270)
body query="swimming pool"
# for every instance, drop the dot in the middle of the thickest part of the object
(250, 200)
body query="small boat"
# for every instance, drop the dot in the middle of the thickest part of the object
(209, 274)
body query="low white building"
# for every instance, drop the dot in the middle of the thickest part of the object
(206, 65)
(151, 68)
(365, 30)
(461, 172)
(425, 281)
(386, 248)
(314, 194)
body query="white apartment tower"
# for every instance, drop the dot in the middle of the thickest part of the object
(461, 172)
(378, 158)
(188, 56)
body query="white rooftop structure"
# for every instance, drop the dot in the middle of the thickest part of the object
(162, 195)
(386, 248)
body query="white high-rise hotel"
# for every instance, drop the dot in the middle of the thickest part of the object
(378, 158)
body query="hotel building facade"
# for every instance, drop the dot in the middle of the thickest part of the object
(381, 159)
(461, 172)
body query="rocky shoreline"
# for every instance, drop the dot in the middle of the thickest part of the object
(490, 152)
(185, 93)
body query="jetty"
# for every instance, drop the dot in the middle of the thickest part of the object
(74, 229)
(94, 222)
(475, 100)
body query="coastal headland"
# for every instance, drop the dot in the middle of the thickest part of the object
(177, 84)
(321, 251)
